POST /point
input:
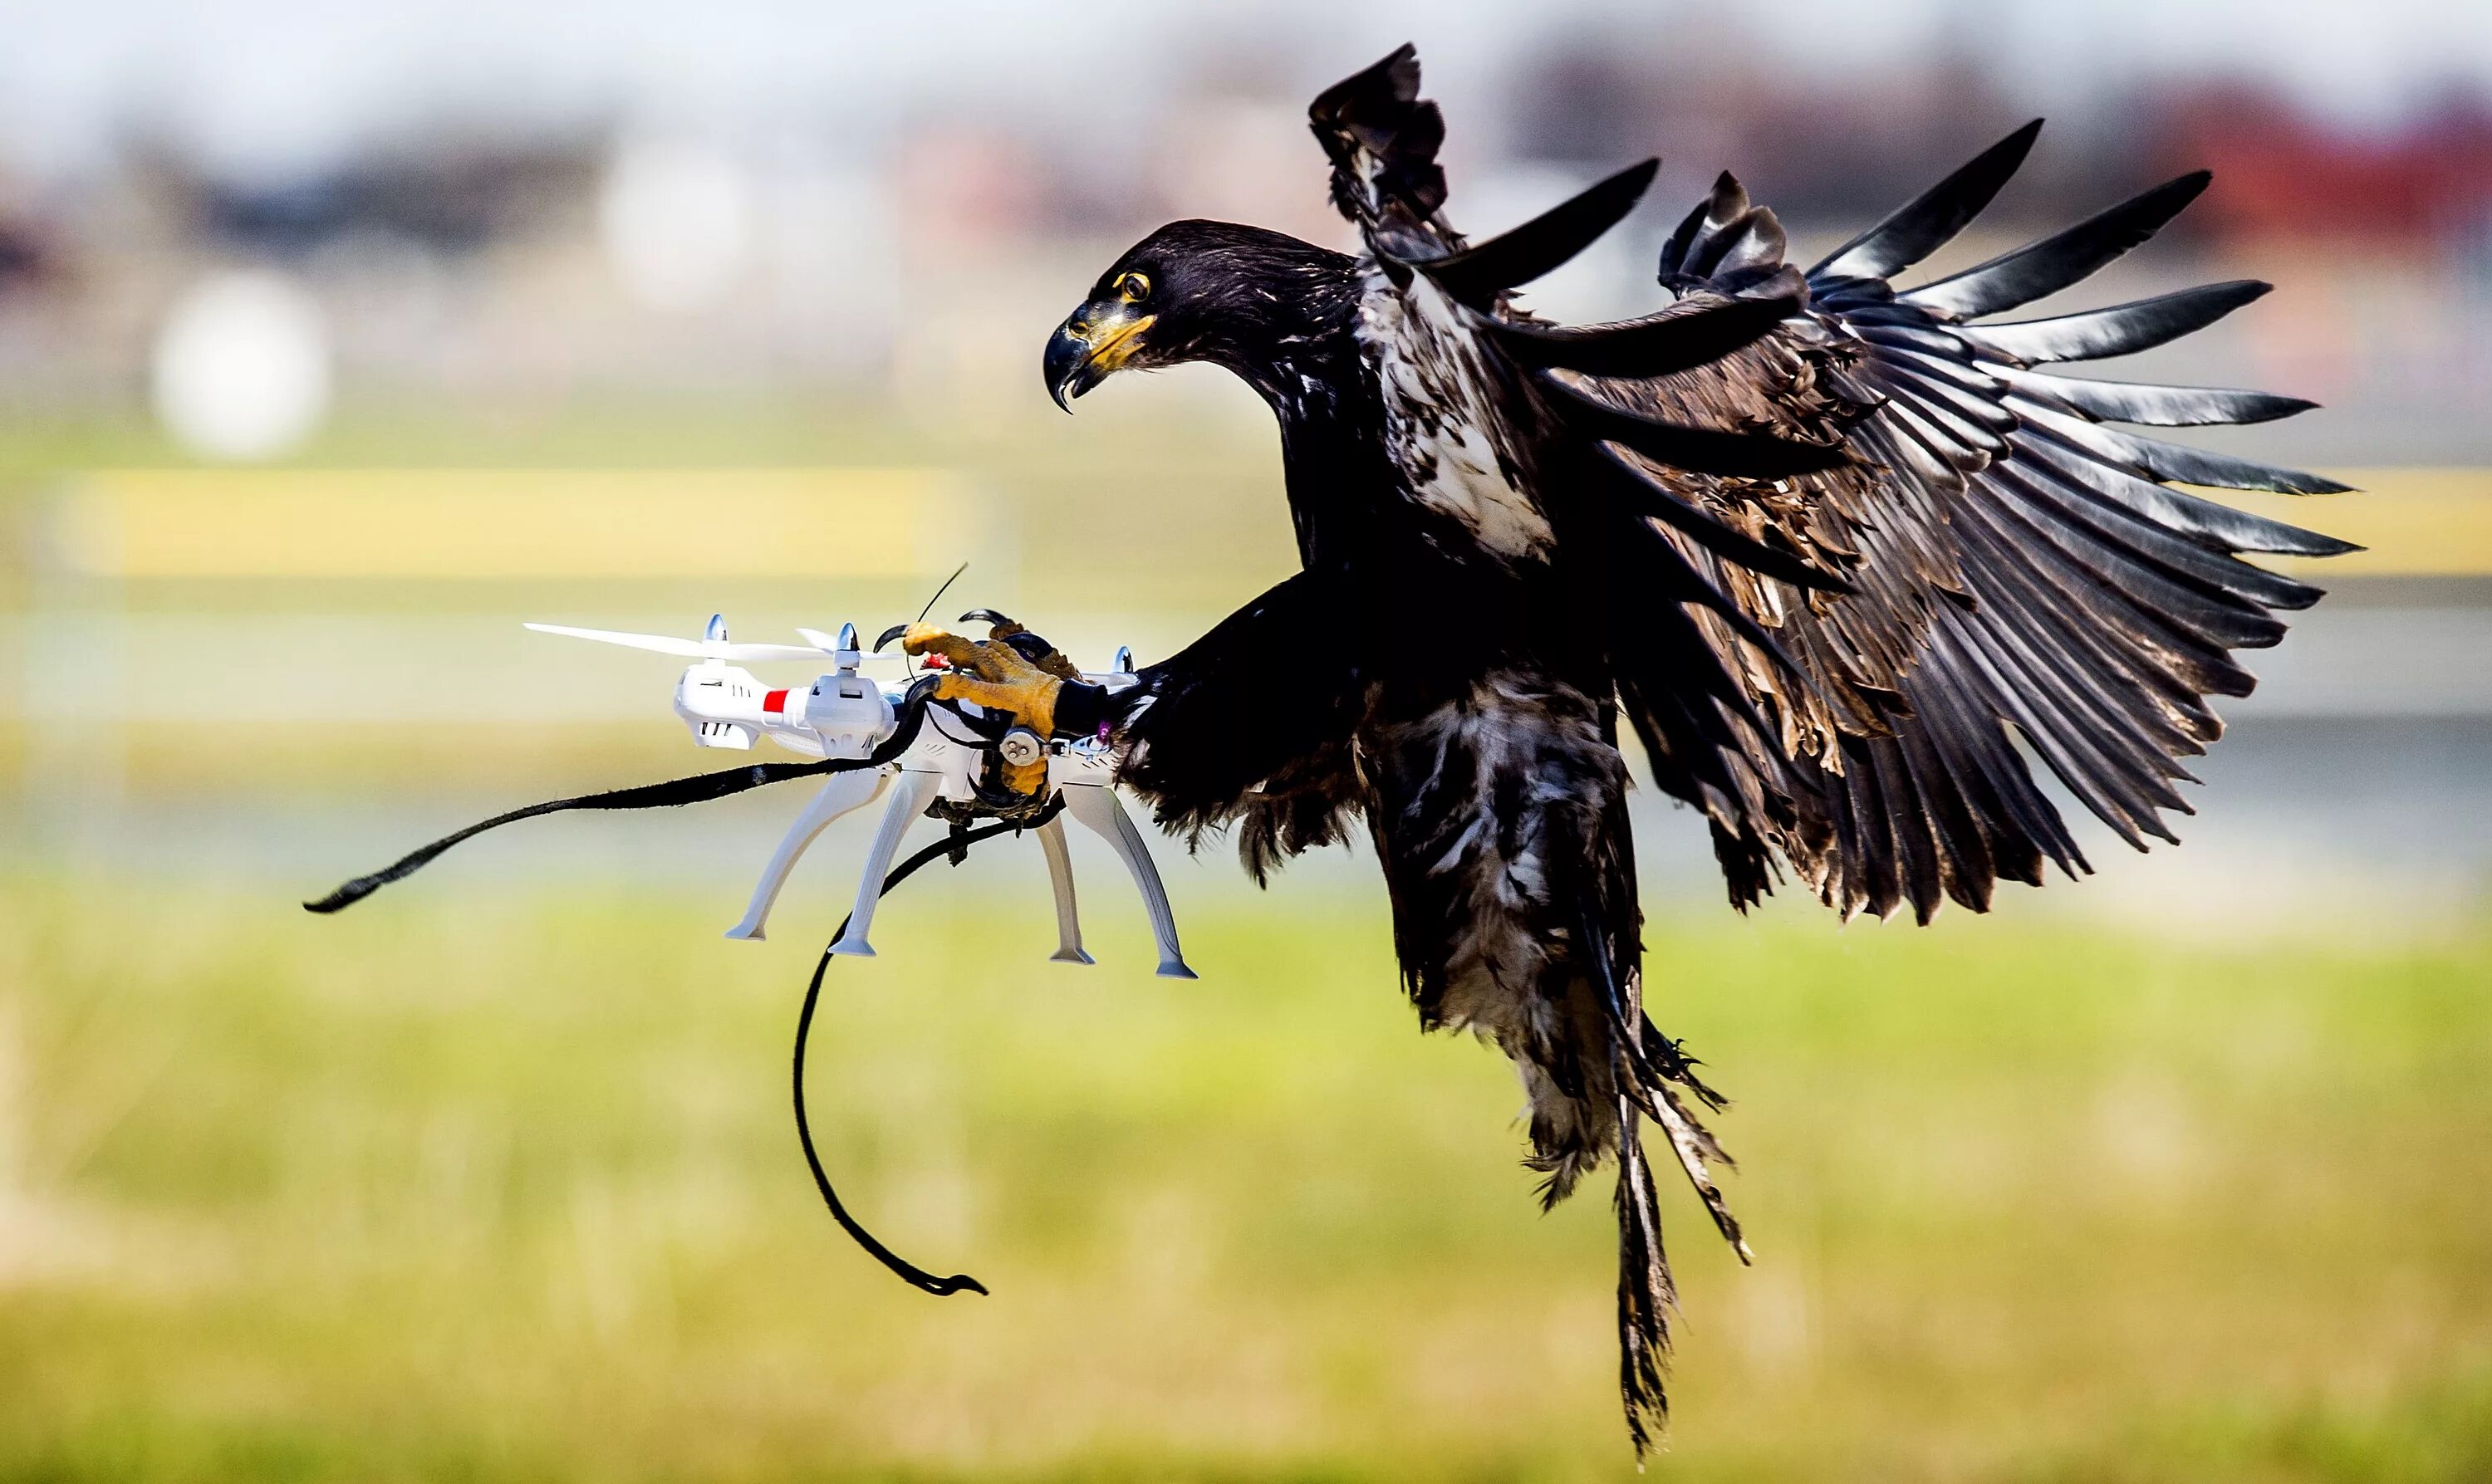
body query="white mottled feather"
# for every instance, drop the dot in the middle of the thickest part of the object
(1442, 427)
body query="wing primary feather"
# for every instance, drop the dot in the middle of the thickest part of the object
(1726, 213)
(2094, 761)
(1960, 827)
(2123, 329)
(2088, 649)
(1956, 370)
(1875, 828)
(1660, 346)
(2154, 551)
(2054, 262)
(2142, 645)
(2155, 406)
(1924, 338)
(1915, 827)
(1382, 141)
(1477, 274)
(2230, 529)
(1986, 733)
(2174, 461)
(1928, 221)
(1919, 423)
(2011, 839)
(2009, 679)
(1939, 392)
(1698, 450)
(2192, 622)
(1673, 253)
(2094, 722)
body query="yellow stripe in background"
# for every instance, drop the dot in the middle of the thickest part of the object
(2413, 522)
(447, 523)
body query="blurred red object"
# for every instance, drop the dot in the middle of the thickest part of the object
(2279, 173)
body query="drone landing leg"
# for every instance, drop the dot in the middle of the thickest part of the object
(910, 796)
(1060, 875)
(843, 792)
(1096, 808)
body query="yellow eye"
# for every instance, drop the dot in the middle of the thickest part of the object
(1132, 288)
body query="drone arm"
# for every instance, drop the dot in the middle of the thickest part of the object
(843, 792)
(1095, 806)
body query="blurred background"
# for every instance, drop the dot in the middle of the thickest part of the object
(335, 341)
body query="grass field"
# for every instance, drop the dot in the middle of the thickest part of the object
(472, 1188)
(488, 1187)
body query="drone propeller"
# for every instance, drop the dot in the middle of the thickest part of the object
(845, 643)
(712, 645)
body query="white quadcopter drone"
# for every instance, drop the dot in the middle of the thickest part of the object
(847, 715)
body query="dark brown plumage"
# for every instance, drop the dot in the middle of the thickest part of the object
(1828, 547)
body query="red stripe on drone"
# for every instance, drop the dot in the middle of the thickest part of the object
(776, 701)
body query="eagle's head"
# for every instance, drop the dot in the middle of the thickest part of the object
(1236, 296)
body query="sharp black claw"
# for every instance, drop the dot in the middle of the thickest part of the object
(984, 616)
(888, 634)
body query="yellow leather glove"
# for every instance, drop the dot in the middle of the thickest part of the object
(993, 674)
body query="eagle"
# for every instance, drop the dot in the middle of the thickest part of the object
(1840, 555)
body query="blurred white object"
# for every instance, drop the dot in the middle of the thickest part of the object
(677, 221)
(242, 369)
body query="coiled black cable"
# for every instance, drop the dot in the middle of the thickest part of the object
(953, 846)
(701, 789)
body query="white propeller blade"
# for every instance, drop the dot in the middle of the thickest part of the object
(688, 648)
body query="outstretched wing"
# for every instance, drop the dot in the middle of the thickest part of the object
(1859, 637)
(1210, 751)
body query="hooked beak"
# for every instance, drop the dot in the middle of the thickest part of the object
(1087, 349)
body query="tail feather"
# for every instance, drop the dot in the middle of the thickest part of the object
(1574, 1131)
(1646, 1296)
(1694, 1145)
(1643, 1065)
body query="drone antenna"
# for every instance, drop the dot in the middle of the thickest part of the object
(941, 591)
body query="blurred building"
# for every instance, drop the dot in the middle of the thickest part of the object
(918, 254)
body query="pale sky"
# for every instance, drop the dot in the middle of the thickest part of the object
(271, 83)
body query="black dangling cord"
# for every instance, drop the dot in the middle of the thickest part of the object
(955, 846)
(701, 789)
(674, 792)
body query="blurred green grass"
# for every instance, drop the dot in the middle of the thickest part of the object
(486, 1187)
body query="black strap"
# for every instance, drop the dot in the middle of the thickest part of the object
(674, 792)
(956, 848)
(701, 789)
